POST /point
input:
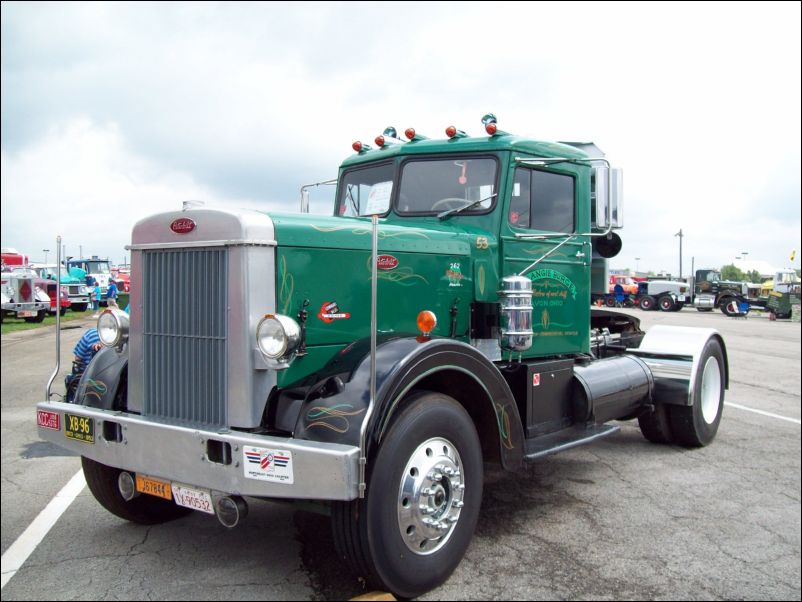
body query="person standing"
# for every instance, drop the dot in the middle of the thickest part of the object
(111, 294)
(96, 297)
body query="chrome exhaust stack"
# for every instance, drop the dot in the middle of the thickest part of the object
(516, 313)
(230, 510)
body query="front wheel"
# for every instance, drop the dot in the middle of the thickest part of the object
(422, 502)
(144, 509)
(39, 317)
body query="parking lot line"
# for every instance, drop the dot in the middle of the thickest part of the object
(18, 552)
(769, 414)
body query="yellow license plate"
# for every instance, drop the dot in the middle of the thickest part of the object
(79, 428)
(153, 486)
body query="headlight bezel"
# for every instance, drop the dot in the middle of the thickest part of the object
(286, 331)
(116, 321)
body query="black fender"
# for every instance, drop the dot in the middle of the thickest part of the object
(335, 404)
(101, 382)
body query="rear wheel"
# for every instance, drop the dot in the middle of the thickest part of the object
(656, 425)
(422, 502)
(610, 301)
(666, 303)
(144, 509)
(648, 303)
(697, 425)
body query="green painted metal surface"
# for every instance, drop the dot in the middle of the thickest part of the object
(432, 264)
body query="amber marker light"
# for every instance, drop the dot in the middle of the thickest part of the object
(491, 128)
(451, 131)
(426, 322)
(379, 140)
(410, 133)
(357, 146)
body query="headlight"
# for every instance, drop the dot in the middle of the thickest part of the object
(84, 290)
(112, 327)
(278, 336)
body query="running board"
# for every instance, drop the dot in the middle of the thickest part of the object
(565, 439)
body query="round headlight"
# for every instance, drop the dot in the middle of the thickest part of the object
(277, 336)
(112, 327)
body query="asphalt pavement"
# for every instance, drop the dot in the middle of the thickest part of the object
(619, 519)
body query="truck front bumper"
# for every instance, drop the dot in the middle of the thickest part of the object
(217, 460)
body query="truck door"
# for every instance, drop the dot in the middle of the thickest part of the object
(544, 202)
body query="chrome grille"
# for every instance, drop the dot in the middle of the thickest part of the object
(184, 337)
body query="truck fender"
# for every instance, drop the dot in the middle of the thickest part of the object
(102, 379)
(673, 354)
(335, 406)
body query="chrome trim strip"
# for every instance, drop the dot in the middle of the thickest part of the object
(202, 243)
(324, 471)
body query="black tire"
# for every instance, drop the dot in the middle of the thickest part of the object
(144, 509)
(610, 301)
(727, 308)
(656, 425)
(368, 532)
(697, 425)
(678, 306)
(79, 306)
(648, 303)
(40, 317)
(666, 303)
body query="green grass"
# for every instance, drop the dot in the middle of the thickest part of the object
(11, 324)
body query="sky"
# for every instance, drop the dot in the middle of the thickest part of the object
(113, 111)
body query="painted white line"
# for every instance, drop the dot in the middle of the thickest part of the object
(18, 552)
(769, 414)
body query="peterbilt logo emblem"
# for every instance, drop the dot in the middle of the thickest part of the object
(386, 262)
(182, 225)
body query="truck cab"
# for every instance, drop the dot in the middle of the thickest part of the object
(92, 270)
(374, 359)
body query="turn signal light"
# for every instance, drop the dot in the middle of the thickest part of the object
(426, 321)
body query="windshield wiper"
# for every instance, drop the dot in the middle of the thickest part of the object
(445, 214)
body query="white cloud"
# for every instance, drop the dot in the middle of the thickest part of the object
(250, 101)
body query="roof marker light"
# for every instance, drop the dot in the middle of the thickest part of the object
(491, 125)
(379, 140)
(453, 132)
(360, 147)
(413, 135)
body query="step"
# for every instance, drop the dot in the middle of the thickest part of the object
(566, 439)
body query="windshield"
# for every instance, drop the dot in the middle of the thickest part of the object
(710, 276)
(357, 186)
(97, 267)
(429, 186)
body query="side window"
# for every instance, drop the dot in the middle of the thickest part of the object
(542, 200)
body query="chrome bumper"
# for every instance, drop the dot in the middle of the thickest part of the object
(324, 471)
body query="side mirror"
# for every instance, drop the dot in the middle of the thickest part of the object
(608, 189)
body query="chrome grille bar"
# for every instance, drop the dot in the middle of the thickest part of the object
(185, 334)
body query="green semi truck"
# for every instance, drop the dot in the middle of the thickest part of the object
(373, 361)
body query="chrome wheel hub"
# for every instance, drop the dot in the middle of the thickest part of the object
(711, 390)
(430, 496)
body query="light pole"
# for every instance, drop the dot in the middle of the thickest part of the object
(637, 259)
(46, 251)
(680, 252)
